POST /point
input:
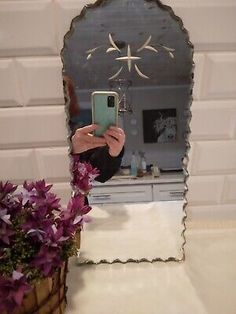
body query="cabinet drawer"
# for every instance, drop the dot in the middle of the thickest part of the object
(120, 194)
(168, 192)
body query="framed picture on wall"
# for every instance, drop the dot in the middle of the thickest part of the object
(160, 125)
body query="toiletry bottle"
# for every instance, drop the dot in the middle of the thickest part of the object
(155, 171)
(133, 165)
(140, 169)
(144, 164)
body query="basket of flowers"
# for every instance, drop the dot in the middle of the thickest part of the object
(37, 236)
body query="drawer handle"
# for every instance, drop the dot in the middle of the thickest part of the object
(101, 196)
(176, 193)
(172, 191)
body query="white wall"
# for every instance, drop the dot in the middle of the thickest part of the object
(32, 119)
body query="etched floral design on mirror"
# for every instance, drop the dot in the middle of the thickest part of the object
(140, 49)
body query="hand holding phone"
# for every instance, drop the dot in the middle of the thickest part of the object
(83, 140)
(115, 139)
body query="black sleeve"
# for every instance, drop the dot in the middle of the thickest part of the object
(103, 161)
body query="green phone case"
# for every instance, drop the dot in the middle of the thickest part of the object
(102, 114)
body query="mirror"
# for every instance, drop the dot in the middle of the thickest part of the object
(139, 49)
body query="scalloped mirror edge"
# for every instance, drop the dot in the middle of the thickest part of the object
(188, 116)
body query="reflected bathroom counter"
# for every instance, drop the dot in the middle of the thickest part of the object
(170, 177)
(119, 189)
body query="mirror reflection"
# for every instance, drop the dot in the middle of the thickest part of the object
(139, 50)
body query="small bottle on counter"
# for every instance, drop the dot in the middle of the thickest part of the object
(133, 165)
(140, 168)
(144, 163)
(155, 171)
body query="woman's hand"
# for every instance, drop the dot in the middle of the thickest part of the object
(115, 139)
(82, 140)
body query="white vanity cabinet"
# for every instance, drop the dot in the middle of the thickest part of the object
(168, 191)
(167, 187)
(121, 194)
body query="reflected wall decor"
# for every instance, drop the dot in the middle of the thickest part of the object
(159, 126)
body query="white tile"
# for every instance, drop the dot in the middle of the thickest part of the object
(204, 190)
(209, 22)
(199, 60)
(229, 195)
(65, 11)
(132, 289)
(63, 191)
(220, 76)
(190, 156)
(27, 28)
(207, 13)
(234, 131)
(32, 127)
(213, 120)
(214, 157)
(18, 165)
(53, 164)
(41, 80)
(203, 284)
(212, 213)
(9, 92)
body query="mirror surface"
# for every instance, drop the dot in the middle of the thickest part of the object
(140, 50)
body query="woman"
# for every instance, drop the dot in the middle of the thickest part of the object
(105, 153)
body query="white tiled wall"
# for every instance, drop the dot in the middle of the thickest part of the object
(32, 118)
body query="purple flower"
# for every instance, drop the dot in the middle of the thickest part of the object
(47, 260)
(5, 216)
(28, 186)
(72, 218)
(83, 175)
(37, 234)
(38, 193)
(75, 208)
(75, 204)
(37, 227)
(12, 291)
(49, 200)
(54, 235)
(59, 235)
(10, 202)
(41, 186)
(6, 188)
(26, 196)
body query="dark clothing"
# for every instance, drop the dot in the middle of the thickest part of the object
(103, 161)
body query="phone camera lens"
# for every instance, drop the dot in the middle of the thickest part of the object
(111, 101)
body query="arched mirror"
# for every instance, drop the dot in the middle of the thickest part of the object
(139, 49)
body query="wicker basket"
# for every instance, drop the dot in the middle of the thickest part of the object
(48, 296)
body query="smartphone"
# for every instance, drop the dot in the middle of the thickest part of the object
(104, 110)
